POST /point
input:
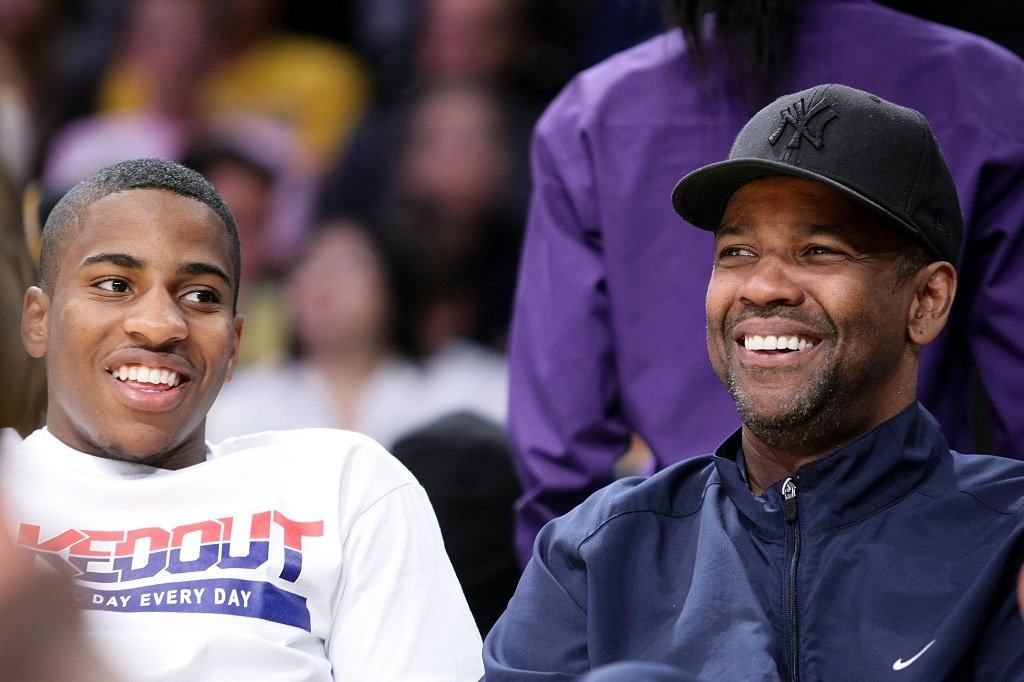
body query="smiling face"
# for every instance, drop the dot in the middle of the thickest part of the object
(809, 322)
(138, 331)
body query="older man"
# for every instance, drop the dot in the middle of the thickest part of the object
(835, 535)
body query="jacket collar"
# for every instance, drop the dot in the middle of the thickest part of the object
(857, 480)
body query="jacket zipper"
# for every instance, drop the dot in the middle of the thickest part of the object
(789, 506)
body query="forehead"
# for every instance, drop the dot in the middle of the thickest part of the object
(799, 205)
(148, 221)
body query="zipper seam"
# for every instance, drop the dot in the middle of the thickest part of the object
(793, 519)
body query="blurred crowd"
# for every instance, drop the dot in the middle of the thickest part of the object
(406, 120)
(375, 158)
(374, 154)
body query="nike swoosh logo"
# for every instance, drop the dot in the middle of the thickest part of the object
(900, 664)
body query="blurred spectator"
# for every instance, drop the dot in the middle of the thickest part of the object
(180, 66)
(454, 211)
(147, 100)
(451, 192)
(317, 85)
(476, 41)
(464, 462)
(382, 30)
(23, 399)
(258, 166)
(166, 49)
(51, 54)
(481, 43)
(347, 371)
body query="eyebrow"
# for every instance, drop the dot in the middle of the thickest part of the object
(191, 269)
(810, 229)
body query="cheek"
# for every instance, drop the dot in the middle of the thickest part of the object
(71, 328)
(717, 303)
(871, 310)
(217, 338)
(719, 299)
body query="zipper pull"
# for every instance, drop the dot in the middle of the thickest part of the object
(789, 499)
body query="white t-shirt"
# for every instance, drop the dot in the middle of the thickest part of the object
(295, 555)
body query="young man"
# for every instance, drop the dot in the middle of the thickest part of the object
(309, 554)
(835, 535)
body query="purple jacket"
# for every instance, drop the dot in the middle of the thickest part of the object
(608, 328)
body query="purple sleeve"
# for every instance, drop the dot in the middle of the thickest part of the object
(992, 307)
(564, 414)
(984, 339)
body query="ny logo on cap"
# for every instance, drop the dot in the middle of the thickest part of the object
(807, 123)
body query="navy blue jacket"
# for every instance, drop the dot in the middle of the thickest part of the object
(894, 558)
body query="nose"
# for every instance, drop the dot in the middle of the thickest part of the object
(157, 318)
(769, 282)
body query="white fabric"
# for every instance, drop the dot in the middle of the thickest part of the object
(400, 396)
(300, 555)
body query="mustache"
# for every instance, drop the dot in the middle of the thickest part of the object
(814, 320)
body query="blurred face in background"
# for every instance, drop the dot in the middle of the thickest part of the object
(339, 291)
(172, 44)
(456, 159)
(479, 41)
(248, 191)
(21, 20)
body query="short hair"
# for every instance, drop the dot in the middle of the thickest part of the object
(913, 257)
(171, 176)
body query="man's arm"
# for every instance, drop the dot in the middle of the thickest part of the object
(564, 413)
(543, 632)
(992, 308)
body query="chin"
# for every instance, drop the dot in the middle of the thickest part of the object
(151, 446)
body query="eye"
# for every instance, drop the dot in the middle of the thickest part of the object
(114, 284)
(736, 252)
(202, 296)
(823, 252)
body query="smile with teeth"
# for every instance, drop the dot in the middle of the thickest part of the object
(147, 375)
(776, 342)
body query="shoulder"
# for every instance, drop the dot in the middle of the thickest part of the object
(982, 82)
(309, 453)
(673, 493)
(972, 83)
(997, 483)
(655, 68)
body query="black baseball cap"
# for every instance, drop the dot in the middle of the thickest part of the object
(879, 154)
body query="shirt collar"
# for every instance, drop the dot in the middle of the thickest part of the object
(858, 479)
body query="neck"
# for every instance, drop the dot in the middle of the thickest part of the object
(767, 464)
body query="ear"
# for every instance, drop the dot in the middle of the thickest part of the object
(238, 325)
(1020, 590)
(935, 287)
(35, 321)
